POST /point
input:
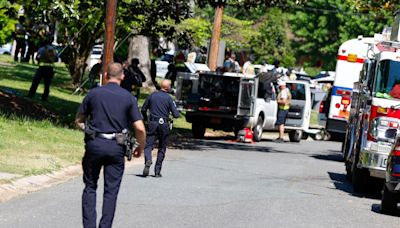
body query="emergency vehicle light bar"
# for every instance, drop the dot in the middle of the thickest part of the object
(352, 58)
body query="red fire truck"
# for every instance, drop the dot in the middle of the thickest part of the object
(374, 114)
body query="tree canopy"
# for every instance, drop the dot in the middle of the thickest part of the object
(306, 31)
(8, 16)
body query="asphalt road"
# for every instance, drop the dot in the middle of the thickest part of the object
(216, 183)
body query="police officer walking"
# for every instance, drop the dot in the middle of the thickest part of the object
(103, 114)
(160, 105)
(46, 57)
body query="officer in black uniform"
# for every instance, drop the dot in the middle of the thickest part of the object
(19, 36)
(105, 111)
(160, 105)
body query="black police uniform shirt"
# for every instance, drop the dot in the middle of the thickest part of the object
(160, 104)
(110, 109)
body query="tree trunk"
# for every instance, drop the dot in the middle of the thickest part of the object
(139, 48)
(79, 67)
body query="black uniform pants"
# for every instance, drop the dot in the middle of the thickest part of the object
(45, 72)
(21, 46)
(161, 132)
(107, 154)
(31, 52)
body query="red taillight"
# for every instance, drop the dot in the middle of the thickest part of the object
(321, 107)
(204, 109)
(396, 153)
(343, 92)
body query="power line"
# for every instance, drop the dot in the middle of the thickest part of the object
(330, 11)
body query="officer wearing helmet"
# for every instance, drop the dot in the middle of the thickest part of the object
(46, 56)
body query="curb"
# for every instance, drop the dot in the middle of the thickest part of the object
(25, 185)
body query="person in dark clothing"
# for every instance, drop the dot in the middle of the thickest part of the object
(46, 57)
(19, 36)
(136, 78)
(160, 105)
(104, 112)
(129, 83)
(171, 74)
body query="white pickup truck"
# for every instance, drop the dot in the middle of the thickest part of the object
(233, 101)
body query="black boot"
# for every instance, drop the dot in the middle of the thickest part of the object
(146, 169)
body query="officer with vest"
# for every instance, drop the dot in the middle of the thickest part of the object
(160, 105)
(46, 56)
(284, 98)
(19, 36)
(103, 115)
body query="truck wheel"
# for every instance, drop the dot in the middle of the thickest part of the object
(319, 136)
(295, 136)
(347, 143)
(327, 136)
(360, 178)
(198, 130)
(258, 130)
(348, 171)
(389, 201)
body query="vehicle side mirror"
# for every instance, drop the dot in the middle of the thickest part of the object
(370, 73)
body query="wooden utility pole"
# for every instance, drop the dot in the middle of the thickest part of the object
(216, 34)
(108, 54)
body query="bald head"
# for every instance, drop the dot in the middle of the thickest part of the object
(166, 84)
(115, 71)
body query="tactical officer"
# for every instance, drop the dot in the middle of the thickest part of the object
(19, 35)
(103, 114)
(160, 105)
(46, 56)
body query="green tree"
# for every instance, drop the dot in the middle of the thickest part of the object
(82, 22)
(272, 42)
(321, 26)
(8, 16)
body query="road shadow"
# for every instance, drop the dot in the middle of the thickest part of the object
(377, 209)
(329, 157)
(340, 182)
(184, 143)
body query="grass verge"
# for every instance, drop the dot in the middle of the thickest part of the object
(31, 144)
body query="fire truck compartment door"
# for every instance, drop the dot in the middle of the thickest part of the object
(247, 96)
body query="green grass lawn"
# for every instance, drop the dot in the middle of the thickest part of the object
(30, 146)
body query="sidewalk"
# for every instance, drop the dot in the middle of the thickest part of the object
(15, 185)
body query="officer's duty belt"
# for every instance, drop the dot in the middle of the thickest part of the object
(160, 120)
(106, 136)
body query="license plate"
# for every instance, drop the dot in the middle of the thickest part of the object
(384, 163)
(215, 120)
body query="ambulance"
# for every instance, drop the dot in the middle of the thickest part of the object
(351, 56)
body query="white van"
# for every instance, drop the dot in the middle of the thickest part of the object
(351, 56)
